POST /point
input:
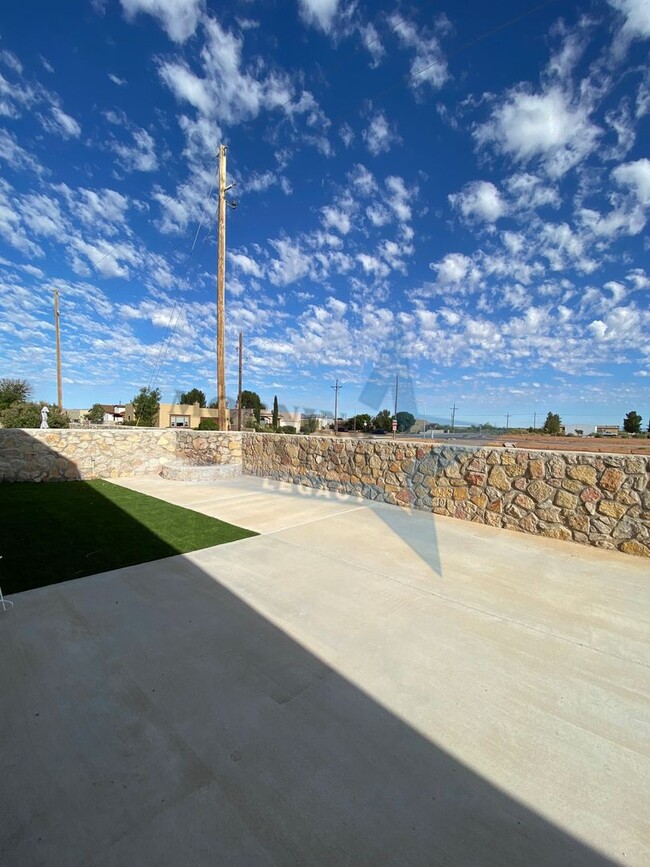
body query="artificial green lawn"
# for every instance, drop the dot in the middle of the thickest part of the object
(54, 532)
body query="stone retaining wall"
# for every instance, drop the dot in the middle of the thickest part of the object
(60, 455)
(595, 499)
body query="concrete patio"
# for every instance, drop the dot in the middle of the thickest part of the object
(358, 685)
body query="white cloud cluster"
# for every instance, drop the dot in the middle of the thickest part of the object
(544, 125)
(139, 155)
(380, 136)
(429, 65)
(178, 18)
(319, 13)
(479, 200)
(19, 95)
(224, 92)
(636, 21)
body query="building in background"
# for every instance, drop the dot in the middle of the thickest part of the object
(585, 429)
(176, 415)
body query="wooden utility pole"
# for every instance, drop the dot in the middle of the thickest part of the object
(453, 416)
(336, 407)
(240, 383)
(396, 391)
(57, 330)
(221, 294)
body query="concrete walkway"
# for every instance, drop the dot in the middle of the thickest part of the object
(358, 685)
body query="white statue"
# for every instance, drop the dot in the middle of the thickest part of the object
(44, 413)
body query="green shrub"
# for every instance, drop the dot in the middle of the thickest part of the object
(208, 424)
(28, 415)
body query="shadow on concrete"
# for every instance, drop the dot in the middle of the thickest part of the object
(152, 717)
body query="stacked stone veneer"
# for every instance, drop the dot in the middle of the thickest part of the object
(61, 455)
(601, 500)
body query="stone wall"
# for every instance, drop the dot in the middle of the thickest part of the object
(60, 455)
(595, 499)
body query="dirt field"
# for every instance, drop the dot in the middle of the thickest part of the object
(609, 445)
(534, 442)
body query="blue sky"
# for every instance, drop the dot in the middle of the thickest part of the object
(457, 192)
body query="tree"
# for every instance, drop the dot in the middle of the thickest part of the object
(21, 414)
(632, 422)
(95, 414)
(361, 422)
(405, 421)
(146, 405)
(383, 420)
(13, 391)
(251, 400)
(553, 424)
(195, 395)
(276, 413)
(309, 425)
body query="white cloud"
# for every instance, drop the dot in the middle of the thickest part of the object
(179, 18)
(103, 256)
(10, 60)
(11, 227)
(42, 214)
(528, 192)
(318, 13)
(292, 263)
(429, 65)
(636, 21)
(399, 197)
(453, 269)
(336, 218)
(246, 265)
(564, 248)
(621, 326)
(379, 137)
(372, 43)
(116, 80)
(623, 220)
(362, 180)
(62, 123)
(479, 200)
(259, 182)
(543, 125)
(347, 134)
(16, 156)
(378, 214)
(187, 86)
(373, 265)
(636, 176)
(138, 157)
